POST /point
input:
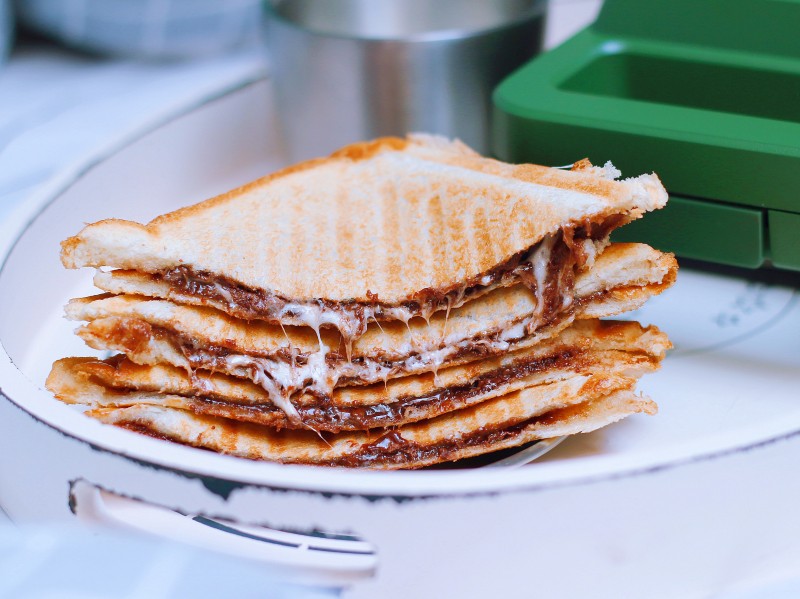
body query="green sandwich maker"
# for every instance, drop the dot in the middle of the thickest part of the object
(706, 93)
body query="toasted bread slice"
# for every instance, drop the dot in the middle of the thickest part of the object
(587, 347)
(577, 404)
(624, 276)
(376, 221)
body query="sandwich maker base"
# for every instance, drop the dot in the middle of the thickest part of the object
(706, 94)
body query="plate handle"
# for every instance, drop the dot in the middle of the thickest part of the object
(314, 558)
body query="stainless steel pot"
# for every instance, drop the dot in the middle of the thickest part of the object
(347, 70)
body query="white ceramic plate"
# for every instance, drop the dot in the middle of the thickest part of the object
(731, 380)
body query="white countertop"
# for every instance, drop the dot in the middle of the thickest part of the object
(59, 110)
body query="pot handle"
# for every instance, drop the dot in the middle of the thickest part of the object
(319, 558)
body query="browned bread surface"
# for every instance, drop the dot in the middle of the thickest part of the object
(387, 218)
(577, 404)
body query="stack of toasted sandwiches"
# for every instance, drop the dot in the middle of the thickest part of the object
(401, 303)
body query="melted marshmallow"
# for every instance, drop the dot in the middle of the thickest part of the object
(281, 379)
(539, 259)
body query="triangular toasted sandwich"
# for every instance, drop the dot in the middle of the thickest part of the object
(407, 300)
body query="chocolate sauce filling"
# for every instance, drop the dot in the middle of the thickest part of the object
(392, 449)
(334, 419)
(556, 300)
(287, 371)
(353, 316)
